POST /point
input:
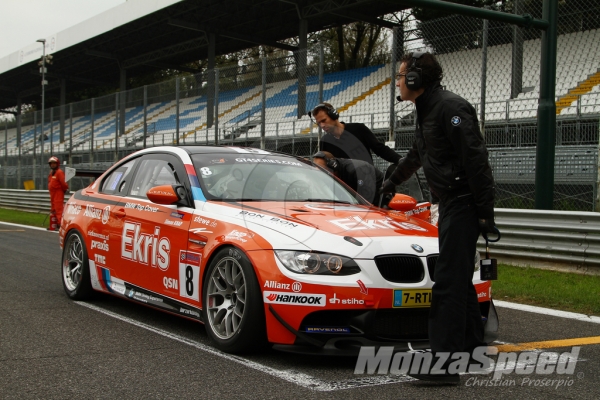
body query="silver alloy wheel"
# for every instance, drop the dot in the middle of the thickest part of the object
(73, 263)
(226, 297)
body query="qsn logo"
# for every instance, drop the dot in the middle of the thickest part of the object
(314, 300)
(99, 245)
(170, 283)
(145, 247)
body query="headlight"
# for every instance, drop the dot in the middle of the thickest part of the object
(305, 262)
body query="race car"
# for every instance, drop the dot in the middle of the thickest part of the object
(261, 247)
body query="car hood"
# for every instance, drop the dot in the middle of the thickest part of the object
(353, 230)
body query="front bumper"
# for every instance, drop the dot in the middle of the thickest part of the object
(344, 332)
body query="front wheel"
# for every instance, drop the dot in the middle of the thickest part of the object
(232, 304)
(75, 268)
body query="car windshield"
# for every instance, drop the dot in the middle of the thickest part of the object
(260, 177)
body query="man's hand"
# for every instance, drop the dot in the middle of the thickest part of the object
(487, 226)
(388, 187)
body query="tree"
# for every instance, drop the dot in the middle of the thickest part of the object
(355, 45)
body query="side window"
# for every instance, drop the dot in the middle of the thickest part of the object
(152, 172)
(116, 182)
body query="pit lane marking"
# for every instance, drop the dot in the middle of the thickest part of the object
(295, 377)
(12, 230)
(550, 344)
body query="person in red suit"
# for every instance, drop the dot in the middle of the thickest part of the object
(57, 188)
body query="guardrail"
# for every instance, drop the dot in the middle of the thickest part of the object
(26, 200)
(558, 237)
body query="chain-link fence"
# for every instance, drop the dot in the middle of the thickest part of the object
(263, 103)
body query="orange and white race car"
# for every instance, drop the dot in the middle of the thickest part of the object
(261, 247)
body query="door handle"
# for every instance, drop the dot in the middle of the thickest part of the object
(120, 213)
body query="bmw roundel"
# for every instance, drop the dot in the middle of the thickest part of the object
(417, 248)
(455, 120)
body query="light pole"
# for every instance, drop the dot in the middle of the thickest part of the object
(43, 71)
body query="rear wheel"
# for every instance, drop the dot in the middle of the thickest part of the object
(75, 268)
(232, 304)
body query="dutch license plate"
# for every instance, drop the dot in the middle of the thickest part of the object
(412, 298)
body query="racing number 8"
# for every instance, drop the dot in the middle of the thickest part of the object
(189, 281)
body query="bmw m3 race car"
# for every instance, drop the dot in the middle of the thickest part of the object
(261, 247)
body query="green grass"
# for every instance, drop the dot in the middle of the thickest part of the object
(25, 218)
(545, 288)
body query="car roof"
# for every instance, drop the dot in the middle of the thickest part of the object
(201, 149)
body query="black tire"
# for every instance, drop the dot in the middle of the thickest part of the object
(75, 268)
(232, 305)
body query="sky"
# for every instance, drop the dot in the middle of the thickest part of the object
(22, 22)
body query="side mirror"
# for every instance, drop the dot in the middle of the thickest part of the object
(164, 194)
(402, 202)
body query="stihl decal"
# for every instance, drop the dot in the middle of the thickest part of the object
(145, 248)
(304, 299)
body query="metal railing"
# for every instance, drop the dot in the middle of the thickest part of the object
(26, 200)
(558, 237)
(528, 236)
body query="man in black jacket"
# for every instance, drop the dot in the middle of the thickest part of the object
(345, 140)
(361, 176)
(451, 150)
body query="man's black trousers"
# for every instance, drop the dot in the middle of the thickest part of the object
(455, 318)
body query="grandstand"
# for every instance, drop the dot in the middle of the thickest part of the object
(361, 95)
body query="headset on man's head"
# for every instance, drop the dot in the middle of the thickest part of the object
(414, 77)
(332, 163)
(329, 110)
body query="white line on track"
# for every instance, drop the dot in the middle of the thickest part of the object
(37, 228)
(298, 378)
(295, 377)
(316, 384)
(548, 311)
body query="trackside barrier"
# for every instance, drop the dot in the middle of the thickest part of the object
(26, 200)
(547, 237)
(561, 237)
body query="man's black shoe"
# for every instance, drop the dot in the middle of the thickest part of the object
(447, 378)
